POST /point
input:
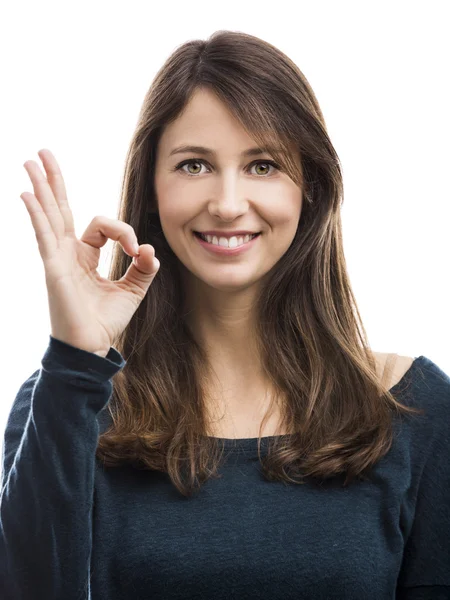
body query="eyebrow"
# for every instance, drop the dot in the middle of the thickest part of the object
(211, 152)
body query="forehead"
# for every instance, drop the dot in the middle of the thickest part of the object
(206, 121)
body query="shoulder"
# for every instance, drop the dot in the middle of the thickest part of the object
(427, 388)
(395, 365)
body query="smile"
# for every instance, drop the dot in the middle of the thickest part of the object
(221, 246)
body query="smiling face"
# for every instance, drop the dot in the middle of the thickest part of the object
(226, 190)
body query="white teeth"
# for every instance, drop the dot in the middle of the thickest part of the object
(232, 242)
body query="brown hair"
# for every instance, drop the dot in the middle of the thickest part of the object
(312, 343)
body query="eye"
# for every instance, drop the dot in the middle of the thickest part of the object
(199, 161)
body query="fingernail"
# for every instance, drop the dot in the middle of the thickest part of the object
(136, 248)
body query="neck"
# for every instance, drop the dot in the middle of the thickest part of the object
(222, 320)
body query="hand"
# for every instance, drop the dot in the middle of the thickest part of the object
(86, 310)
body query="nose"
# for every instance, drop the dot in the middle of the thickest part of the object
(229, 201)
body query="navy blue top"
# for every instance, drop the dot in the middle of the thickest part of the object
(71, 529)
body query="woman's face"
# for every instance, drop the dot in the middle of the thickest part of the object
(223, 190)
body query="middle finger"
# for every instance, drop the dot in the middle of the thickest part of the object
(58, 187)
(44, 194)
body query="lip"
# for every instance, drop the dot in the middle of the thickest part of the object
(228, 234)
(226, 251)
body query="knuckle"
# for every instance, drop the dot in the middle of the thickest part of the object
(117, 223)
(101, 220)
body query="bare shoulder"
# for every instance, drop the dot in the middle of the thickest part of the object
(398, 365)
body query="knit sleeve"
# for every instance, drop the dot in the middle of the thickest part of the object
(48, 475)
(425, 569)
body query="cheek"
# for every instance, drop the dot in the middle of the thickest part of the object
(283, 226)
(176, 201)
(282, 205)
(174, 211)
(284, 219)
(175, 225)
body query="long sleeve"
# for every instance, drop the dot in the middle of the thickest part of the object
(425, 570)
(48, 471)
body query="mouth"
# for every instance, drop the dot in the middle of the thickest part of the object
(205, 239)
(247, 242)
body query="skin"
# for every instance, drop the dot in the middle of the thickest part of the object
(225, 192)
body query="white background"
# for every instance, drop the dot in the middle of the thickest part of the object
(74, 76)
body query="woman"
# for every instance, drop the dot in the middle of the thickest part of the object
(145, 457)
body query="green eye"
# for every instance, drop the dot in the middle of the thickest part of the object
(203, 162)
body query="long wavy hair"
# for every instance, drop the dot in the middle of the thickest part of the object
(311, 340)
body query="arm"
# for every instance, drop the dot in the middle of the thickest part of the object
(425, 569)
(48, 475)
